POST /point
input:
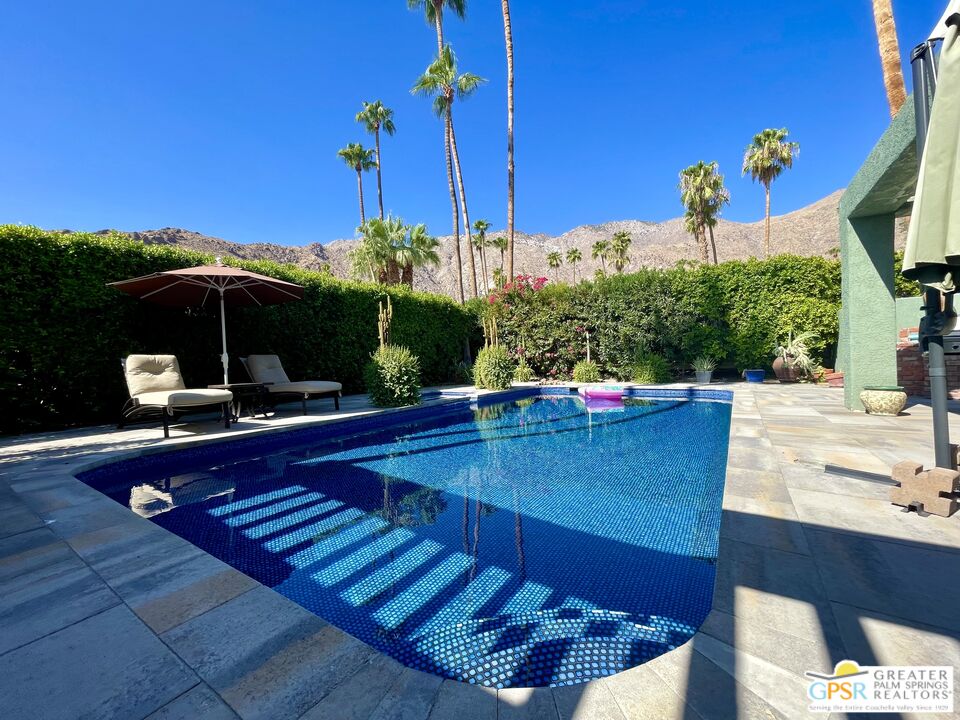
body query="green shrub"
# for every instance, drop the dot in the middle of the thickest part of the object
(492, 370)
(63, 330)
(523, 372)
(586, 371)
(393, 377)
(650, 369)
(734, 312)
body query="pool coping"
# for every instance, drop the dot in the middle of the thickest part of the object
(87, 525)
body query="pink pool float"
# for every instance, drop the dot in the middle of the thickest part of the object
(602, 392)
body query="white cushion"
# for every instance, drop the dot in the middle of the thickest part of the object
(152, 373)
(266, 369)
(185, 398)
(309, 387)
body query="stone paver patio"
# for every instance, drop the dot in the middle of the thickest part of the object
(105, 615)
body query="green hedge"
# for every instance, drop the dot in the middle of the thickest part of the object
(63, 331)
(736, 312)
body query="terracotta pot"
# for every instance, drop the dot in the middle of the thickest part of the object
(785, 373)
(834, 379)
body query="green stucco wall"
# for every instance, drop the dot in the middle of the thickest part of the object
(908, 312)
(868, 319)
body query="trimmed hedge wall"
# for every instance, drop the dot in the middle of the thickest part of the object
(63, 331)
(736, 312)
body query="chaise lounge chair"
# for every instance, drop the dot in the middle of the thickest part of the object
(268, 369)
(157, 389)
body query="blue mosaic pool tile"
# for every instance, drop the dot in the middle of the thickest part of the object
(530, 542)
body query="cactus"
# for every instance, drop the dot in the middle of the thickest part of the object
(384, 319)
(491, 335)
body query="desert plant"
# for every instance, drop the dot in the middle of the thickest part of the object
(523, 372)
(650, 369)
(393, 377)
(704, 363)
(586, 371)
(796, 353)
(493, 369)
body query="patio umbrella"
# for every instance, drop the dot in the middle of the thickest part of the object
(932, 254)
(196, 286)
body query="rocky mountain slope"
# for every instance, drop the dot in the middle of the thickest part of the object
(812, 230)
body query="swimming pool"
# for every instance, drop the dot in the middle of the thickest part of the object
(539, 541)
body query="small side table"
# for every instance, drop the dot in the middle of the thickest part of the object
(249, 396)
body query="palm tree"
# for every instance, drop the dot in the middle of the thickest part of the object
(390, 249)
(442, 82)
(500, 243)
(360, 160)
(508, 41)
(889, 54)
(600, 250)
(480, 242)
(765, 158)
(419, 249)
(619, 248)
(554, 261)
(376, 117)
(433, 13)
(573, 257)
(703, 194)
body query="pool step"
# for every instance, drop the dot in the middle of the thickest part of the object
(555, 647)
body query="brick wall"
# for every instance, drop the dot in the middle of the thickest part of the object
(912, 368)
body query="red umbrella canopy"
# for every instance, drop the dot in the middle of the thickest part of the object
(192, 287)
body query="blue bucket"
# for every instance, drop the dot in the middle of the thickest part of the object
(755, 376)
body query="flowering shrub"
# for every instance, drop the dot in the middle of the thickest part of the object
(521, 286)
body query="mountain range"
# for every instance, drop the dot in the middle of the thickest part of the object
(812, 230)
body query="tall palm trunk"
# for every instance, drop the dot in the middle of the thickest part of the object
(406, 275)
(363, 219)
(454, 208)
(573, 269)
(713, 244)
(463, 196)
(483, 269)
(379, 182)
(889, 54)
(508, 39)
(438, 19)
(766, 224)
(701, 236)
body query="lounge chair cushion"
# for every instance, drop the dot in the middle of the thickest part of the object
(185, 398)
(308, 387)
(266, 369)
(152, 373)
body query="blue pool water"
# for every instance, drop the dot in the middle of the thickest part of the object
(529, 543)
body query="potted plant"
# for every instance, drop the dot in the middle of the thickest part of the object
(703, 367)
(793, 361)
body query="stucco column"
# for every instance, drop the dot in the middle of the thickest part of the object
(868, 318)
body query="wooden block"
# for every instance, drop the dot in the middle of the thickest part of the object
(906, 470)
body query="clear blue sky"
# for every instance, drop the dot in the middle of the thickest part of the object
(224, 116)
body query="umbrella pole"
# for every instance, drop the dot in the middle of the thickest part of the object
(224, 358)
(924, 68)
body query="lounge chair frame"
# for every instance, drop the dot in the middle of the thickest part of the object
(273, 399)
(136, 412)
